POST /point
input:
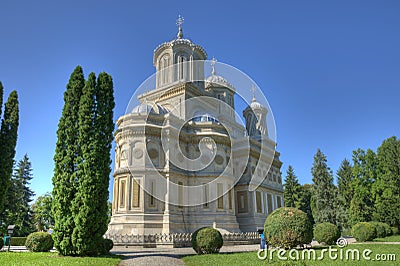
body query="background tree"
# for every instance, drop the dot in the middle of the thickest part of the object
(364, 172)
(345, 193)
(65, 180)
(42, 214)
(17, 209)
(324, 191)
(291, 194)
(386, 189)
(8, 141)
(305, 201)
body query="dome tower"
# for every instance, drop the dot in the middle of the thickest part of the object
(256, 118)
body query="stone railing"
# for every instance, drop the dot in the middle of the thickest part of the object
(178, 239)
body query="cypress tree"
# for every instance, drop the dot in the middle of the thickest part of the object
(291, 194)
(65, 179)
(8, 141)
(1, 97)
(386, 189)
(324, 191)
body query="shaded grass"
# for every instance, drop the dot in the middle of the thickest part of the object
(395, 238)
(250, 258)
(50, 258)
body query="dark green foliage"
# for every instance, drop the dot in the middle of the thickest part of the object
(17, 208)
(207, 240)
(388, 229)
(8, 141)
(364, 172)
(386, 189)
(42, 214)
(65, 171)
(292, 192)
(288, 227)
(18, 241)
(345, 194)
(324, 192)
(39, 242)
(326, 233)
(88, 157)
(1, 241)
(108, 244)
(380, 229)
(1, 97)
(395, 230)
(363, 231)
(305, 201)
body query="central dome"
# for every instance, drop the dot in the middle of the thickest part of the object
(149, 108)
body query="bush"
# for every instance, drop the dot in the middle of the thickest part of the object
(1, 242)
(18, 241)
(395, 230)
(388, 229)
(363, 231)
(379, 229)
(108, 244)
(207, 240)
(326, 233)
(288, 227)
(39, 242)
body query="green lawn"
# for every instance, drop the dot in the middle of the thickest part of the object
(50, 258)
(395, 238)
(250, 258)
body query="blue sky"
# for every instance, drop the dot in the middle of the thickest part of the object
(329, 69)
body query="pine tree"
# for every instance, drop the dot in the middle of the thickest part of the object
(19, 195)
(8, 141)
(386, 189)
(65, 179)
(291, 194)
(345, 193)
(324, 191)
(364, 172)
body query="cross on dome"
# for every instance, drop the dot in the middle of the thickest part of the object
(253, 89)
(179, 23)
(213, 61)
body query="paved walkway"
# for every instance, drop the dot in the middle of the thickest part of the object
(167, 256)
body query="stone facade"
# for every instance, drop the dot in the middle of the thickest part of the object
(137, 208)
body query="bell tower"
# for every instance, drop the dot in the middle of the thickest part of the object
(179, 60)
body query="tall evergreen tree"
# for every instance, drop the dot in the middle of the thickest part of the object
(291, 194)
(386, 189)
(345, 193)
(8, 141)
(19, 195)
(65, 179)
(364, 172)
(1, 98)
(95, 137)
(324, 191)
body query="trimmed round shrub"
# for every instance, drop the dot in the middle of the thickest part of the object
(379, 229)
(108, 244)
(363, 231)
(207, 240)
(39, 242)
(288, 227)
(326, 233)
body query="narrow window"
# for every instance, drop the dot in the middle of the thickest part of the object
(180, 195)
(205, 196)
(258, 202)
(220, 200)
(152, 189)
(279, 202)
(230, 199)
(135, 193)
(269, 200)
(122, 195)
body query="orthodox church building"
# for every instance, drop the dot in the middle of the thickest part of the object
(148, 197)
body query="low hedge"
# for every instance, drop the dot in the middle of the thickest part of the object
(326, 233)
(18, 241)
(363, 231)
(39, 242)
